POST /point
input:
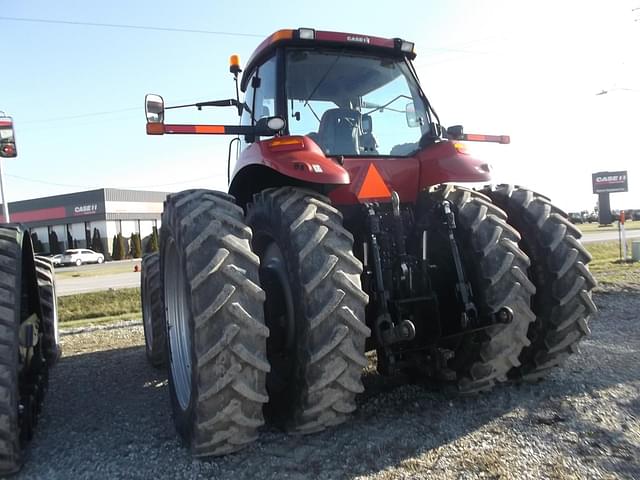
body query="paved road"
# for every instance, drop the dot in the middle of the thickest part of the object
(102, 281)
(590, 237)
(69, 286)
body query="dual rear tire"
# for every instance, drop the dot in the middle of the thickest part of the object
(221, 357)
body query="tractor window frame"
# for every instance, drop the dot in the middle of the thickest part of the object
(267, 73)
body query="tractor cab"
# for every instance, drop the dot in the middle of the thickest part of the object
(334, 112)
(351, 95)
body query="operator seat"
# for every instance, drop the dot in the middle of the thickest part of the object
(368, 143)
(338, 132)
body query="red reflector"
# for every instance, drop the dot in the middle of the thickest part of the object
(155, 128)
(373, 185)
(8, 150)
(214, 129)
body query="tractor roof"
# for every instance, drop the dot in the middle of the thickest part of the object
(308, 37)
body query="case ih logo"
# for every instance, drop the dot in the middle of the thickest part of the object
(355, 38)
(85, 209)
(609, 182)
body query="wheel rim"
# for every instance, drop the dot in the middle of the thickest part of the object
(178, 319)
(279, 317)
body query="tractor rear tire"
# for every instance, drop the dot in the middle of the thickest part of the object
(314, 309)
(10, 293)
(559, 271)
(49, 304)
(217, 357)
(496, 269)
(23, 371)
(153, 321)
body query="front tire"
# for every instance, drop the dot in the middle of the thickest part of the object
(78, 263)
(314, 308)
(49, 303)
(215, 325)
(562, 302)
(153, 319)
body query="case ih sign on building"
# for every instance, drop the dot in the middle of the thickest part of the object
(605, 183)
(609, 182)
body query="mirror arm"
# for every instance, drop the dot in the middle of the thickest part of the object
(247, 130)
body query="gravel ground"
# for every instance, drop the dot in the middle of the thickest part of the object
(108, 416)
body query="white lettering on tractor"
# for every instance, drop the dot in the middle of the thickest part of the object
(352, 38)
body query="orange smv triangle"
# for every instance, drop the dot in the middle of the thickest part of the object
(373, 185)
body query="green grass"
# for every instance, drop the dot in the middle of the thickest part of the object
(594, 227)
(100, 305)
(124, 304)
(608, 269)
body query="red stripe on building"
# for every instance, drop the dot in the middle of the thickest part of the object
(35, 215)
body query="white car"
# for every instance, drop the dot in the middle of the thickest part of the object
(78, 256)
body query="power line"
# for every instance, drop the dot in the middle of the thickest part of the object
(181, 30)
(45, 182)
(131, 27)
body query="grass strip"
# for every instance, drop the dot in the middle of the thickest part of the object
(93, 305)
(606, 265)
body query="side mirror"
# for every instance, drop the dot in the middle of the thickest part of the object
(268, 126)
(154, 108)
(455, 133)
(412, 118)
(7, 138)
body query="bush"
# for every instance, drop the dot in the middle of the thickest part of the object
(96, 241)
(119, 248)
(37, 244)
(54, 244)
(136, 245)
(153, 245)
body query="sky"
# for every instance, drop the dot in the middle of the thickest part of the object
(530, 70)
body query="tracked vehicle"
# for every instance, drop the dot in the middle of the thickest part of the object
(28, 330)
(345, 229)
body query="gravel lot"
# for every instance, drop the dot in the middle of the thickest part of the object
(108, 416)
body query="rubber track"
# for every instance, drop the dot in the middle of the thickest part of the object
(489, 248)
(559, 270)
(229, 335)
(10, 263)
(49, 304)
(153, 310)
(329, 304)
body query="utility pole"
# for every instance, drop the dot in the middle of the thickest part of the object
(5, 205)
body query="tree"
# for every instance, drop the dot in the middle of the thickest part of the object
(122, 247)
(37, 244)
(136, 245)
(87, 238)
(153, 245)
(54, 244)
(119, 249)
(96, 241)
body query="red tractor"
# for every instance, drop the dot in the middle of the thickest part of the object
(344, 232)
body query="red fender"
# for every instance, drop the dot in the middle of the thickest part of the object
(296, 157)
